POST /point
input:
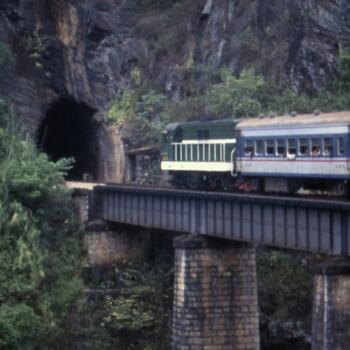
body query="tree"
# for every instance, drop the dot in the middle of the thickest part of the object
(40, 245)
(236, 97)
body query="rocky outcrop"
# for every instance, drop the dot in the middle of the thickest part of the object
(89, 50)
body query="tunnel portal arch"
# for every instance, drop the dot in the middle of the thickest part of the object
(69, 130)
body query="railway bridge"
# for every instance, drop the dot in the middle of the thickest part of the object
(215, 287)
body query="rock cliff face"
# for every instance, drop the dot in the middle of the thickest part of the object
(87, 51)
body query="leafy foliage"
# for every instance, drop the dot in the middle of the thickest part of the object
(285, 296)
(39, 244)
(136, 316)
(20, 327)
(139, 316)
(142, 115)
(236, 97)
(342, 83)
(36, 47)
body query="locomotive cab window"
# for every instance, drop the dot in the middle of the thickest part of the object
(292, 147)
(327, 147)
(259, 147)
(304, 147)
(270, 147)
(340, 146)
(316, 147)
(178, 136)
(281, 148)
(166, 137)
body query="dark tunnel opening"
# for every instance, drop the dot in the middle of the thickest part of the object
(69, 130)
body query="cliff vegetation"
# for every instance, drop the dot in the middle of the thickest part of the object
(143, 113)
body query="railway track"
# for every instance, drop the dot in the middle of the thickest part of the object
(311, 200)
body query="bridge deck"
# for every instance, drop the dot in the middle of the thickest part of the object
(297, 223)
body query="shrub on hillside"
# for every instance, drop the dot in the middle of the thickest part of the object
(40, 246)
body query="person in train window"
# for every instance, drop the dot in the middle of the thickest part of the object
(315, 151)
(327, 152)
(291, 156)
(248, 151)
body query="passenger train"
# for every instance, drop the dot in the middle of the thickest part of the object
(283, 154)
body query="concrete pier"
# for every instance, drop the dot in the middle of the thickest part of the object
(331, 310)
(114, 245)
(215, 296)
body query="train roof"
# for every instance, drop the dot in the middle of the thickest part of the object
(201, 123)
(342, 118)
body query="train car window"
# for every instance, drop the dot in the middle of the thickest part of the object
(248, 148)
(328, 147)
(304, 147)
(292, 146)
(178, 136)
(315, 147)
(270, 147)
(281, 148)
(259, 147)
(340, 146)
(165, 137)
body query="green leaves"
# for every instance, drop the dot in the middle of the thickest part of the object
(285, 295)
(40, 245)
(124, 108)
(139, 314)
(142, 116)
(236, 97)
(20, 327)
(342, 83)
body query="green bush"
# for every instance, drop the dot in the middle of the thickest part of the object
(236, 97)
(285, 296)
(20, 327)
(142, 116)
(40, 244)
(144, 113)
(123, 108)
(342, 83)
(139, 316)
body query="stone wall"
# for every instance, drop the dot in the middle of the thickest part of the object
(215, 297)
(331, 310)
(112, 246)
(89, 51)
(143, 166)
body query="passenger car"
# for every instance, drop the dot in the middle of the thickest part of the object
(271, 154)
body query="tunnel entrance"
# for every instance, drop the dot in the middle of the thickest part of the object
(69, 130)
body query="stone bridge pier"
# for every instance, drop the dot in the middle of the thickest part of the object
(331, 310)
(215, 296)
(215, 287)
(215, 304)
